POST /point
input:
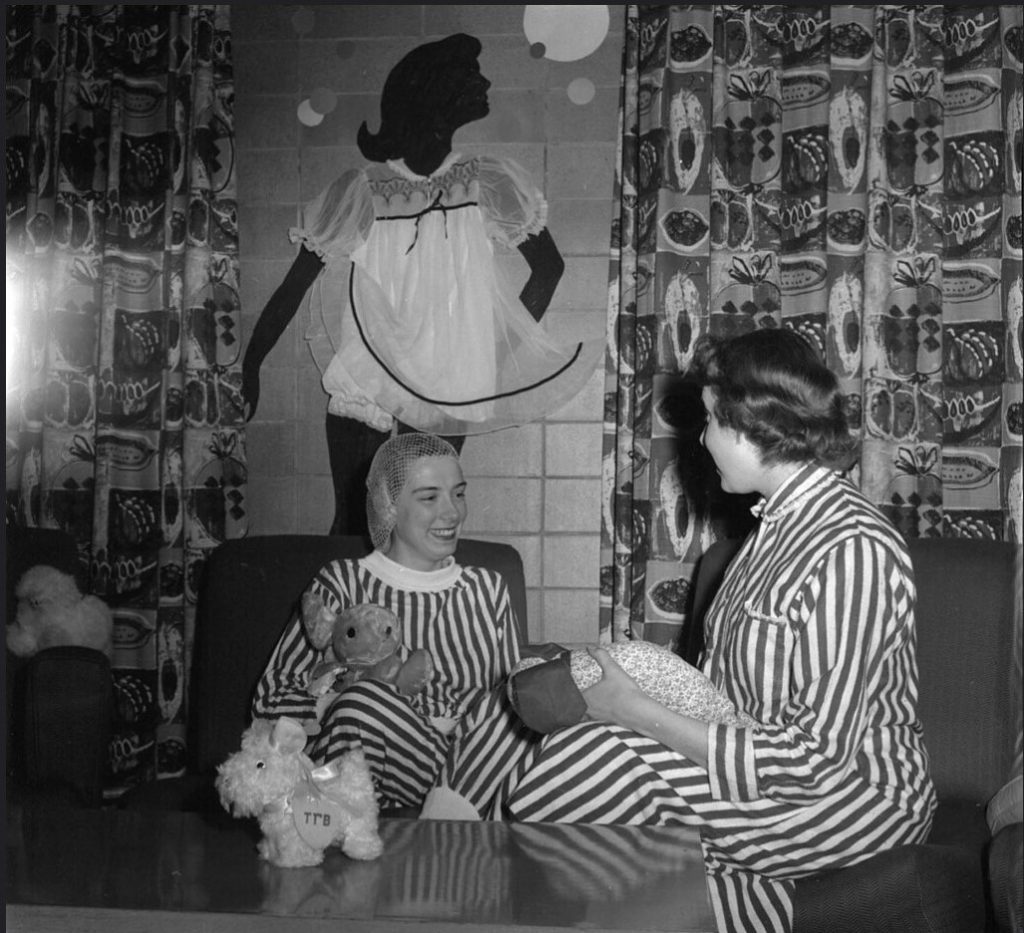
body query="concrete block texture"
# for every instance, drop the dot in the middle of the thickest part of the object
(272, 502)
(278, 395)
(581, 170)
(569, 616)
(502, 505)
(529, 548)
(315, 505)
(264, 121)
(442, 19)
(572, 449)
(263, 229)
(311, 449)
(571, 560)
(571, 505)
(509, 452)
(273, 446)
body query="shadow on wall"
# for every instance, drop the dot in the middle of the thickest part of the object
(729, 515)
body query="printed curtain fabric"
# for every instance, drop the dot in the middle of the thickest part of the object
(853, 173)
(124, 419)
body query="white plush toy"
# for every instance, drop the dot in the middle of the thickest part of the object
(302, 809)
(52, 611)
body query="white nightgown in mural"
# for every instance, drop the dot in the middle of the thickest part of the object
(414, 317)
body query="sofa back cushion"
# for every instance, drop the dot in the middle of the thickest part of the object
(965, 623)
(250, 588)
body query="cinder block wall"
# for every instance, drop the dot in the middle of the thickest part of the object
(537, 486)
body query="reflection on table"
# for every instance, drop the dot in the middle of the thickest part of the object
(533, 875)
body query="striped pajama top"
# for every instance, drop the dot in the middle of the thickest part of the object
(812, 634)
(462, 615)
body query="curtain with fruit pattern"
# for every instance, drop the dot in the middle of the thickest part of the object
(124, 422)
(853, 173)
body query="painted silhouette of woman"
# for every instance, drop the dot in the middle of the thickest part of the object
(421, 331)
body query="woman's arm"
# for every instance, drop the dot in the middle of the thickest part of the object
(616, 698)
(272, 322)
(283, 689)
(546, 268)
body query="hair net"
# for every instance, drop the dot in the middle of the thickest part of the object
(388, 472)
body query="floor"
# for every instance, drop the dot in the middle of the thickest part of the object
(113, 870)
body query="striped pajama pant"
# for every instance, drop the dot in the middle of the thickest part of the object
(753, 851)
(407, 753)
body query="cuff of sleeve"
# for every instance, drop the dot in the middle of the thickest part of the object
(731, 771)
(539, 222)
(298, 235)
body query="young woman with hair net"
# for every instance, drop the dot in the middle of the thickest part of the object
(416, 506)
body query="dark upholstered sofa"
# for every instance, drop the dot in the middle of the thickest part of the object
(970, 711)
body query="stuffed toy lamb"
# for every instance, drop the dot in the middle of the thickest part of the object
(364, 640)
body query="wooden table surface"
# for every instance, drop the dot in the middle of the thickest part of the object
(150, 871)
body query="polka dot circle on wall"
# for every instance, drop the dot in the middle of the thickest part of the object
(568, 32)
(323, 100)
(307, 115)
(581, 91)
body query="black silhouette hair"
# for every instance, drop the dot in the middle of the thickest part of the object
(419, 96)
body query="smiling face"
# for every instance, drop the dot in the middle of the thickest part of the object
(429, 513)
(737, 458)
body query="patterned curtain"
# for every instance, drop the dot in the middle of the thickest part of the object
(124, 421)
(853, 173)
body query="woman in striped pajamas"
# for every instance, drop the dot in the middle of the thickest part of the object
(812, 634)
(462, 615)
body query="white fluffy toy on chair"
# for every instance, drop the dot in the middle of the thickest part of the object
(52, 611)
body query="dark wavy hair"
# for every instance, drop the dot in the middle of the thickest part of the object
(413, 96)
(771, 385)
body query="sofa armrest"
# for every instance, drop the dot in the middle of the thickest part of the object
(1005, 863)
(909, 889)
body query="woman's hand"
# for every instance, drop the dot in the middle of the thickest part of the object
(616, 697)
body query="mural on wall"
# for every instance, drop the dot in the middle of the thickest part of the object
(853, 173)
(415, 325)
(124, 416)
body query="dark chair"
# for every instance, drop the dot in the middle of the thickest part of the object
(26, 547)
(965, 624)
(249, 590)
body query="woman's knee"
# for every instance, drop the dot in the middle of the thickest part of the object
(367, 701)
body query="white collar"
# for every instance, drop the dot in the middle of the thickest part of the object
(399, 167)
(793, 493)
(405, 578)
